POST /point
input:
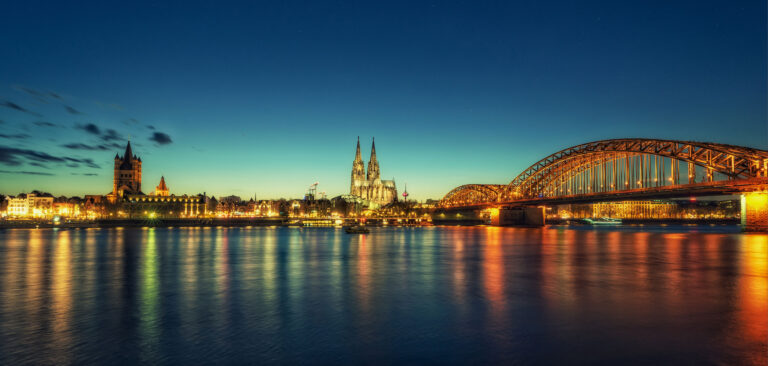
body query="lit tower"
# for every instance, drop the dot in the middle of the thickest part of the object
(162, 189)
(127, 177)
(373, 164)
(358, 172)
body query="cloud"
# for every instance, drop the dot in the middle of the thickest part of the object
(45, 124)
(12, 105)
(18, 136)
(54, 95)
(86, 174)
(36, 94)
(23, 172)
(72, 110)
(131, 121)
(151, 127)
(99, 147)
(161, 138)
(14, 157)
(81, 146)
(111, 135)
(90, 128)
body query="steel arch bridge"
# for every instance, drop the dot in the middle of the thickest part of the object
(620, 165)
(473, 194)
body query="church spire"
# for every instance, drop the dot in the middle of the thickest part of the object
(358, 157)
(373, 164)
(373, 150)
(128, 152)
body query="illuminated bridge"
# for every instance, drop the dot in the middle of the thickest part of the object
(630, 169)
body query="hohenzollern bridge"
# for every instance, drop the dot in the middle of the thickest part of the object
(628, 169)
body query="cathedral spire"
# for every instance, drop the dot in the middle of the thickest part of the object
(373, 164)
(358, 157)
(373, 150)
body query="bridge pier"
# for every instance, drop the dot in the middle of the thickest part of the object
(754, 211)
(518, 216)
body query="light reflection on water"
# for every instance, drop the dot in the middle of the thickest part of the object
(397, 295)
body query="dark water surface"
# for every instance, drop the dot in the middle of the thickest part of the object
(397, 295)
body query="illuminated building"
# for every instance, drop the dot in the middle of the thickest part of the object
(66, 209)
(368, 185)
(128, 201)
(162, 189)
(140, 205)
(30, 205)
(651, 209)
(127, 175)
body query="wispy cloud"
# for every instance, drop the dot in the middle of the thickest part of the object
(18, 136)
(45, 124)
(24, 172)
(161, 138)
(40, 96)
(111, 135)
(90, 128)
(14, 106)
(72, 110)
(99, 147)
(12, 156)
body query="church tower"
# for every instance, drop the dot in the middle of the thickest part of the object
(373, 164)
(358, 172)
(162, 189)
(127, 178)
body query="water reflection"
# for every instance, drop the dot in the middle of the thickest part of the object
(397, 295)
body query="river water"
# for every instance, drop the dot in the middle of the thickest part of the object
(447, 295)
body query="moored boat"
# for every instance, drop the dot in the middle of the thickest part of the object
(356, 230)
(603, 221)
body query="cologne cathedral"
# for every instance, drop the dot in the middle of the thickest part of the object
(368, 185)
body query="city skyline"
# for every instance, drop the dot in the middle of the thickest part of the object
(269, 100)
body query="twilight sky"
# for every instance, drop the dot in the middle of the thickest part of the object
(254, 98)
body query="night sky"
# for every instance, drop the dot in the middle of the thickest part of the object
(256, 98)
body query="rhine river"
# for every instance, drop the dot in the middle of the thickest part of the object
(447, 295)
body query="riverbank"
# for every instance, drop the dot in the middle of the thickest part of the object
(209, 222)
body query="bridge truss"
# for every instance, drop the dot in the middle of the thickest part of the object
(620, 165)
(472, 194)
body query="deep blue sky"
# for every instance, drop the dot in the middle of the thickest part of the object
(269, 98)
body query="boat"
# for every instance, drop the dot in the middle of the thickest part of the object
(603, 221)
(357, 230)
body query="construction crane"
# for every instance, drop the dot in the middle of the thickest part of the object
(312, 191)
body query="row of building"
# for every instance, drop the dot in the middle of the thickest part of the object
(127, 199)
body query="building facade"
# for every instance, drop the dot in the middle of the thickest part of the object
(162, 189)
(368, 185)
(30, 205)
(127, 174)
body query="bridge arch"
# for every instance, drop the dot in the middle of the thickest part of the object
(619, 164)
(470, 194)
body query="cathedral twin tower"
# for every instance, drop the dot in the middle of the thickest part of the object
(368, 185)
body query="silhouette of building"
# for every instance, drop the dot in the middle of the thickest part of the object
(368, 185)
